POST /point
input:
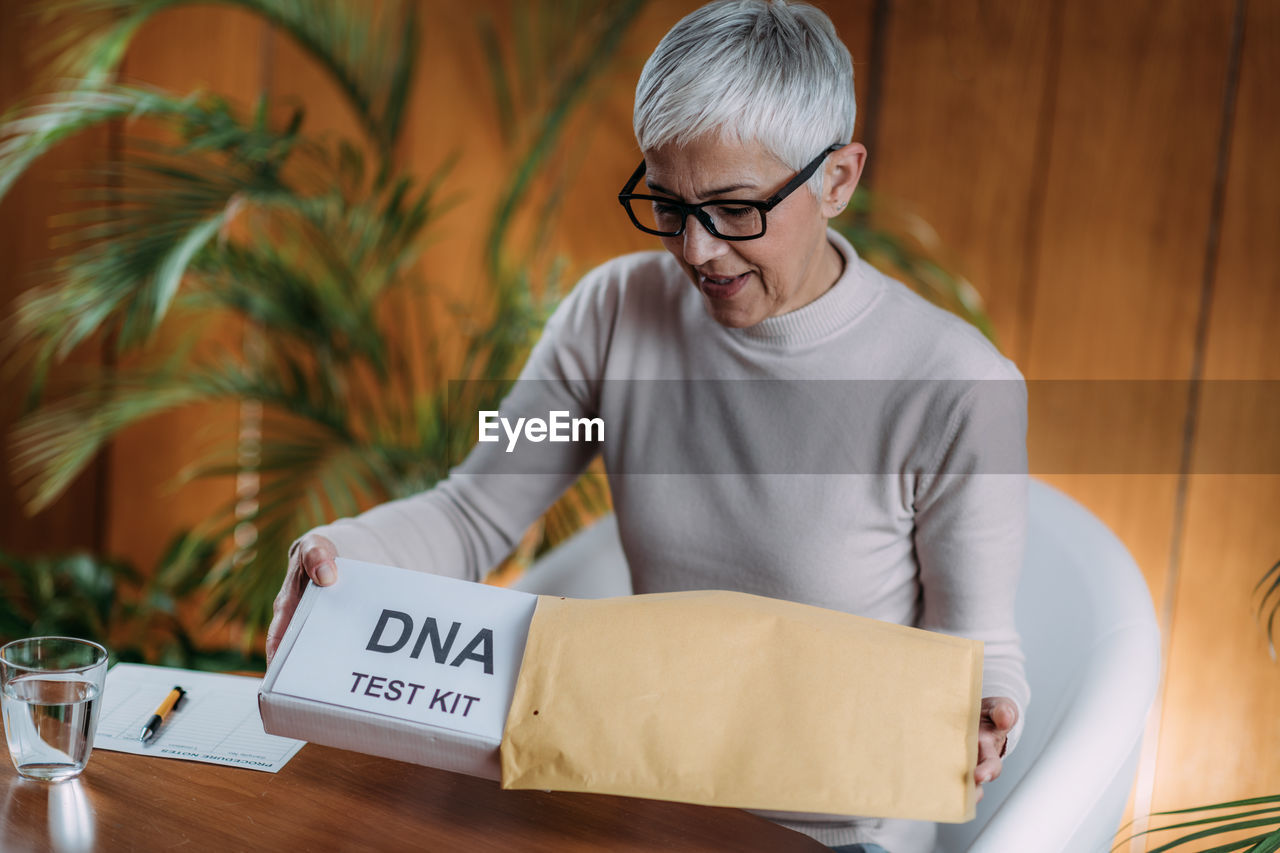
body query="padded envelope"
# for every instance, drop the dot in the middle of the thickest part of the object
(730, 699)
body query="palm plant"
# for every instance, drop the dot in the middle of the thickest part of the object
(1269, 604)
(1258, 816)
(137, 618)
(888, 234)
(310, 244)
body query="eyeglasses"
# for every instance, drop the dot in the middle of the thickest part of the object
(728, 219)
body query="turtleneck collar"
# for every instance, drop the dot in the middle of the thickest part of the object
(852, 292)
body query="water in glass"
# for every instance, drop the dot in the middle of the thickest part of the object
(50, 720)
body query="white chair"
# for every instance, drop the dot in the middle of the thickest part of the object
(1093, 660)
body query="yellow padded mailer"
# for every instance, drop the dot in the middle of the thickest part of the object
(730, 699)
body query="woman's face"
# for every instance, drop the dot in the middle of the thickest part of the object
(743, 282)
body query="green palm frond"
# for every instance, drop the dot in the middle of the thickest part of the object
(1269, 604)
(143, 221)
(243, 582)
(73, 594)
(30, 132)
(108, 601)
(317, 256)
(885, 233)
(308, 476)
(317, 272)
(370, 53)
(1235, 817)
(557, 60)
(597, 37)
(54, 444)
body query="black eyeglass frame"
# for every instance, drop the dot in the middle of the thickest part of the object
(702, 216)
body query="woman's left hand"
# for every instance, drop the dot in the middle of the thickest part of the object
(999, 713)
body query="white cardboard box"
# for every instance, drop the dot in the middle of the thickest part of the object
(406, 665)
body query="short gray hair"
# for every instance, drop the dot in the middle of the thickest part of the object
(774, 73)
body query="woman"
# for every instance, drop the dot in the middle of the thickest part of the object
(745, 112)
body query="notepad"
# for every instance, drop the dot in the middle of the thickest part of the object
(217, 722)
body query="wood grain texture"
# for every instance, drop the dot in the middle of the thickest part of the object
(1126, 211)
(964, 93)
(331, 799)
(1129, 180)
(1126, 207)
(25, 248)
(1220, 738)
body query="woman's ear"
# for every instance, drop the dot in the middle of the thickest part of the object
(841, 171)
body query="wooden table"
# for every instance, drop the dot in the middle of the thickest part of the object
(331, 799)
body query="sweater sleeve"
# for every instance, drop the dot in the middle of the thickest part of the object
(970, 532)
(468, 523)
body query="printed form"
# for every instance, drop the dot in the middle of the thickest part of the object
(216, 722)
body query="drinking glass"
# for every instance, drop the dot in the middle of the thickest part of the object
(49, 693)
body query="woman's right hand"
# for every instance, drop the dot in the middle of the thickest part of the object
(314, 560)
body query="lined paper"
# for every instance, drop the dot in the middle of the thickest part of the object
(217, 722)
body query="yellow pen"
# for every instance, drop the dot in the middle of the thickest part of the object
(153, 724)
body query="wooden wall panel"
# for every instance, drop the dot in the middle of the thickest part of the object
(965, 90)
(76, 520)
(1127, 196)
(1119, 269)
(1092, 259)
(1120, 258)
(984, 109)
(219, 50)
(1220, 739)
